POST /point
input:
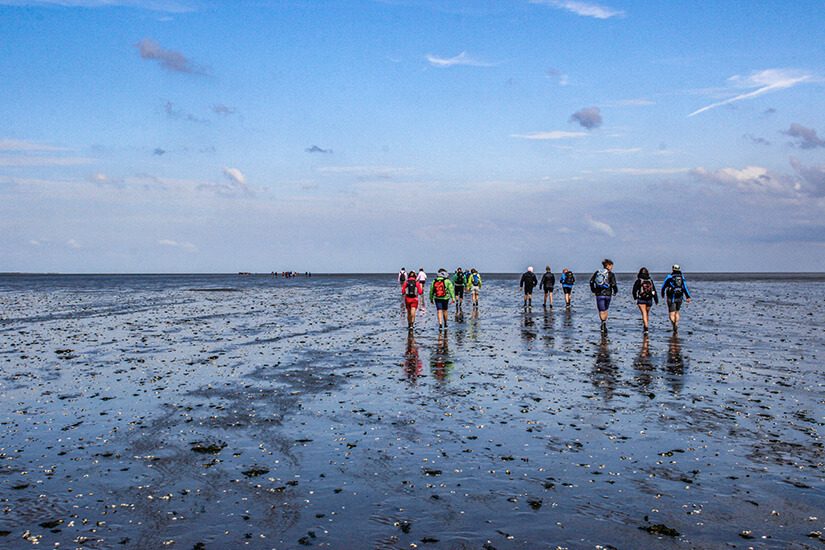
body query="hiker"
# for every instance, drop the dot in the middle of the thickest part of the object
(411, 289)
(548, 281)
(528, 281)
(603, 286)
(567, 281)
(675, 290)
(442, 294)
(644, 292)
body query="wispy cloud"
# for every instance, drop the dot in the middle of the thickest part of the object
(171, 6)
(765, 82)
(224, 110)
(22, 145)
(646, 171)
(753, 180)
(175, 112)
(556, 134)
(188, 247)
(460, 59)
(169, 59)
(368, 172)
(807, 136)
(316, 149)
(584, 9)
(599, 227)
(44, 161)
(589, 118)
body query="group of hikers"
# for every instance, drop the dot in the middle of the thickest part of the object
(446, 288)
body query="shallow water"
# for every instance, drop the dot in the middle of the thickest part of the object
(227, 411)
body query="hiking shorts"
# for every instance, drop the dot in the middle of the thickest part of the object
(459, 292)
(567, 289)
(674, 305)
(442, 304)
(410, 303)
(603, 302)
(648, 303)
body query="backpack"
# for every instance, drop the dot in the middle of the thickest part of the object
(440, 288)
(568, 278)
(602, 279)
(411, 288)
(677, 284)
(646, 289)
(476, 280)
(459, 280)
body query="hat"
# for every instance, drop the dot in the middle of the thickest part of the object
(530, 269)
(675, 267)
(442, 273)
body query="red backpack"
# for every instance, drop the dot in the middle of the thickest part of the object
(440, 288)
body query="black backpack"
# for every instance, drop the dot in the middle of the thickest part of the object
(646, 289)
(411, 288)
(677, 283)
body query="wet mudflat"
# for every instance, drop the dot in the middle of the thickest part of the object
(228, 412)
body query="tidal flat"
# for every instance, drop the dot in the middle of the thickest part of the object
(215, 412)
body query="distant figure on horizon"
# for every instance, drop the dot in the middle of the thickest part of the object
(474, 285)
(548, 281)
(644, 292)
(603, 286)
(411, 289)
(527, 282)
(674, 289)
(567, 282)
(442, 294)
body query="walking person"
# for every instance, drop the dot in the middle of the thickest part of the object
(422, 278)
(474, 285)
(548, 281)
(459, 280)
(442, 294)
(567, 282)
(411, 289)
(675, 290)
(528, 281)
(402, 276)
(603, 286)
(644, 292)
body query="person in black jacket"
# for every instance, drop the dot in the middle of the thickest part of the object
(548, 281)
(644, 292)
(603, 286)
(528, 281)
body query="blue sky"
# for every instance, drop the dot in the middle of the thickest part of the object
(196, 136)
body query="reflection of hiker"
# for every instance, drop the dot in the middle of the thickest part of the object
(548, 281)
(603, 286)
(411, 289)
(440, 362)
(567, 281)
(674, 289)
(412, 362)
(442, 293)
(528, 281)
(644, 292)
(474, 285)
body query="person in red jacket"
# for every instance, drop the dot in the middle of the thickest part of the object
(411, 289)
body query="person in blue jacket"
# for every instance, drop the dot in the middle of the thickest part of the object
(567, 282)
(675, 290)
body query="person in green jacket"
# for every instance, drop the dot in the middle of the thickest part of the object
(442, 293)
(474, 285)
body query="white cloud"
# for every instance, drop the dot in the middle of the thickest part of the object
(188, 247)
(752, 179)
(44, 161)
(171, 6)
(765, 82)
(584, 9)
(600, 227)
(646, 171)
(22, 145)
(557, 134)
(71, 243)
(460, 59)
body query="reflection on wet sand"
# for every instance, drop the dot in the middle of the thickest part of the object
(643, 366)
(528, 333)
(548, 336)
(675, 365)
(441, 362)
(605, 374)
(412, 362)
